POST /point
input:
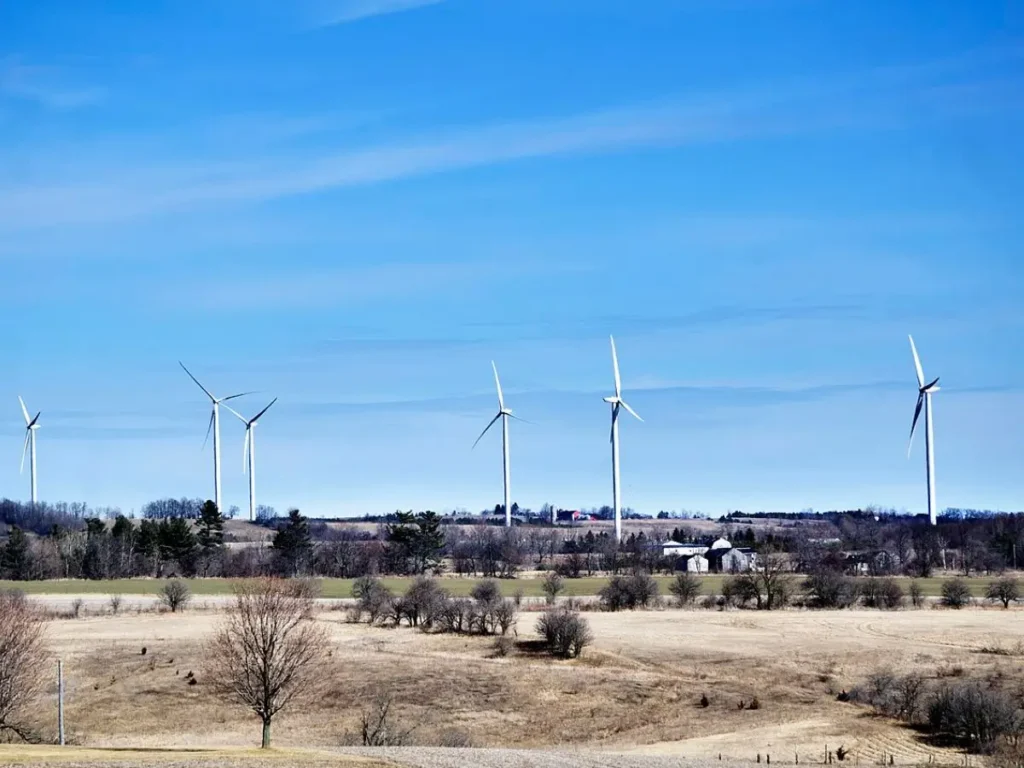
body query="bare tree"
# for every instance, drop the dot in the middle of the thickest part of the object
(268, 651)
(22, 661)
(176, 595)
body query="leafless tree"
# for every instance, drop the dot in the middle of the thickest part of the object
(22, 661)
(267, 653)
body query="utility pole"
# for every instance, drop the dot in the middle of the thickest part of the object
(60, 701)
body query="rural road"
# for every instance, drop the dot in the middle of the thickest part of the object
(441, 757)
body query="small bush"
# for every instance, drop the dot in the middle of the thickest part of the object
(1005, 590)
(916, 594)
(115, 602)
(956, 593)
(378, 727)
(755, 703)
(705, 702)
(978, 717)
(503, 646)
(685, 588)
(423, 601)
(629, 592)
(176, 595)
(486, 592)
(375, 601)
(76, 607)
(831, 589)
(305, 589)
(552, 586)
(565, 633)
(504, 615)
(884, 593)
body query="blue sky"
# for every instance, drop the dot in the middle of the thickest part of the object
(355, 205)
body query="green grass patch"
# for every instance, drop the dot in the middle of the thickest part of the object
(342, 588)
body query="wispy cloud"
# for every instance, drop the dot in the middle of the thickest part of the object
(324, 288)
(131, 187)
(43, 86)
(355, 10)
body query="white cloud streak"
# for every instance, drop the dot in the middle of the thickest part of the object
(125, 187)
(40, 85)
(357, 10)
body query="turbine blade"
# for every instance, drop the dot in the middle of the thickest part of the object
(917, 363)
(35, 420)
(245, 450)
(24, 452)
(486, 428)
(24, 410)
(913, 426)
(232, 397)
(186, 370)
(634, 413)
(517, 418)
(209, 429)
(615, 365)
(615, 417)
(241, 418)
(497, 381)
(254, 418)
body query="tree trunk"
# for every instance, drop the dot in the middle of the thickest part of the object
(266, 734)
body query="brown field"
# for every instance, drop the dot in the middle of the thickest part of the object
(634, 693)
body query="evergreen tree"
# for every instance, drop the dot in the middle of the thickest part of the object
(177, 543)
(16, 557)
(211, 528)
(416, 541)
(293, 544)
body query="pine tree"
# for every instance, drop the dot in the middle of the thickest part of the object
(211, 528)
(15, 556)
(293, 543)
(177, 543)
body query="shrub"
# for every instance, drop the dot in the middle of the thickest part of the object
(374, 599)
(956, 593)
(422, 602)
(503, 646)
(739, 590)
(882, 593)
(552, 586)
(305, 589)
(685, 588)
(486, 592)
(24, 670)
(76, 607)
(176, 595)
(916, 594)
(1005, 590)
(115, 604)
(705, 702)
(504, 616)
(378, 727)
(976, 716)
(565, 633)
(629, 592)
(831, 589)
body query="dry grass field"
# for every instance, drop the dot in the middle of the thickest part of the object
(636, 692)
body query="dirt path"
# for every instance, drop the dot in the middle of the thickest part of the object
(440, 757)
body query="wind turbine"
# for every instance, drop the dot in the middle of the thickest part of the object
(31, 425)
(924, 399)
(249, 453)
(616, 402)
(215, 427)
(504, 414)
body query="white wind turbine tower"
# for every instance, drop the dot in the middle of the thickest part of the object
(616, 402)
(504, 414)
(924, 399)
(215, 428)
(31, 425)
(249, 453)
